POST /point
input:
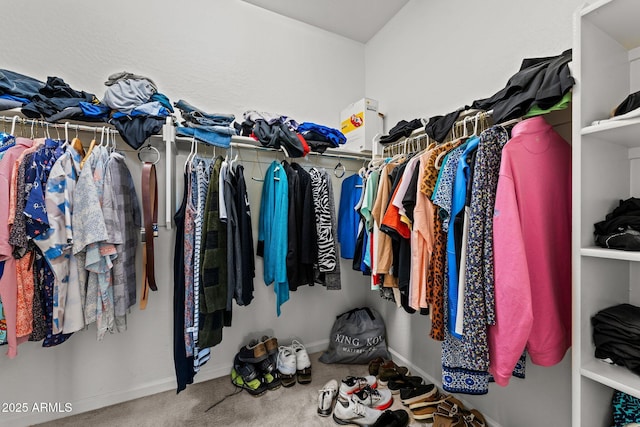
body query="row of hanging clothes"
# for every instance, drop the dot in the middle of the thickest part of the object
(69, 219)
(475, 233)
(297, 229)
(213, 258)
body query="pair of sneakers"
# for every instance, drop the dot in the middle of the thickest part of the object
(293, 362)
(364, 390)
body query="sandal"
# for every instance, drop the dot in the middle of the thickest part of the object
(474, 418)
(452, 406)
(443, 420)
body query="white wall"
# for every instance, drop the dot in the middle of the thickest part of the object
(223, 56)
(432, 58)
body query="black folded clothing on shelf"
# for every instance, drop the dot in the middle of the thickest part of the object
(616, 335)
(621, 227)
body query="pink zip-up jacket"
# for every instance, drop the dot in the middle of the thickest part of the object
(532, 250)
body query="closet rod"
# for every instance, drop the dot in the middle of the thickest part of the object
(249, 143)
(41, 122)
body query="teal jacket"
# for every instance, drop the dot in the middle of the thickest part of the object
(272, 231)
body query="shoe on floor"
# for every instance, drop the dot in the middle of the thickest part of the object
(286, 365)
(268, 365)
(389, 418)
(255, 387)
(272, 380)
(271, 344)
(404, 382)
(434, 400)
(303, 364)
(443, 420)
(254, 352)
(247, 370)
(390, 371)
(421, 392)
(374, 365)
(474, 418)
(425, 413)
(373, 398)
(325, 398)
(349, 412)
(350, 385)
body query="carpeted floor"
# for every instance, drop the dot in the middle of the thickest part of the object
(294, 406)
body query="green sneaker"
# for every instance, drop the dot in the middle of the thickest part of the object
(254, 387)
(272, 380)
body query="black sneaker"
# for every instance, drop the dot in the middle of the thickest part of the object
(405, 382)
(247, 371)
(271, 380)
(414, 394)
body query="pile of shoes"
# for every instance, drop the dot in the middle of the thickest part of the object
(358, 400)
(254, 366)
(426, 403)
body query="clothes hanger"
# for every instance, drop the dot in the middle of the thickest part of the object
(77, 144)
(66, 134)
(259, 168)
(90, 150)
(13, 125)
(192, 153)
(114, 142)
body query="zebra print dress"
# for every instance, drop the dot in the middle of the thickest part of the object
(326, 240)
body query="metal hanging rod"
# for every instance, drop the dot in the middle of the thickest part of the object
(249, 143)
(68, 125)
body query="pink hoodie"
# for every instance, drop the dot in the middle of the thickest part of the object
(532, 250)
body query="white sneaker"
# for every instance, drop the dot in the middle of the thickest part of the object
(376, 399)
(326, 396)
(286, 365)
(350, 385)
(303, 364)
(351, 412)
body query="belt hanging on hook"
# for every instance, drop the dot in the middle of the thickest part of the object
(150, 230)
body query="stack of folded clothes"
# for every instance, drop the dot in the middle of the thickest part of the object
(209, 128)
(616, 334)
(51, 101)
(17, 89)
(297, 140)
(621, 227)
(56, 101)
(320, 137)
(138, 110)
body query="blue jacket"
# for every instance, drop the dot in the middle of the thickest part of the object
(272, 231)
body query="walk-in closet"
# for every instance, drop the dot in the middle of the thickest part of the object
(202, 202)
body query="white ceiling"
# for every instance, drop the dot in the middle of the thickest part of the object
(356, 19)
